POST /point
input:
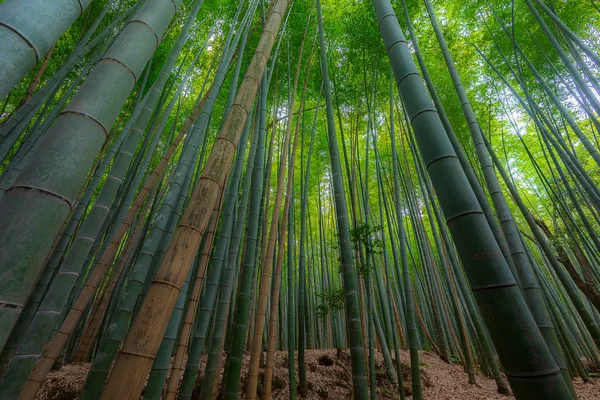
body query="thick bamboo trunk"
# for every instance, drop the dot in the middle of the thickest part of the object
(56, 346)
(184, 334)
(40, 199)
(30, 38)
(64, 333)
(487, 270)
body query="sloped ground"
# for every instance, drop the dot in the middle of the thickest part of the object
(329, 377)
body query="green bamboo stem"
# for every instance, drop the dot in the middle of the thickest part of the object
(565, 58)
(43, 192)
(14, 126)
(347, 262)
(488, 272)
(27, 39)
(240, 325)
(48, 316)
(160, 368)
(413, 341)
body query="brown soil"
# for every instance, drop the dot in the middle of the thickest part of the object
(329, 377)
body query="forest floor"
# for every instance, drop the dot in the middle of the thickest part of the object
(329, 377)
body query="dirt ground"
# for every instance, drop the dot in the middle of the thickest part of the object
(329, 377)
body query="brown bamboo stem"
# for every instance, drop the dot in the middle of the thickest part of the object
(145, 335)
(37, 78)
(184, 336)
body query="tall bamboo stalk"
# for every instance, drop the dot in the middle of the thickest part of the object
(476, 245)
(131, 367)
(359, 379)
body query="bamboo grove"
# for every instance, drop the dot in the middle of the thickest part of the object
(190, 186)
